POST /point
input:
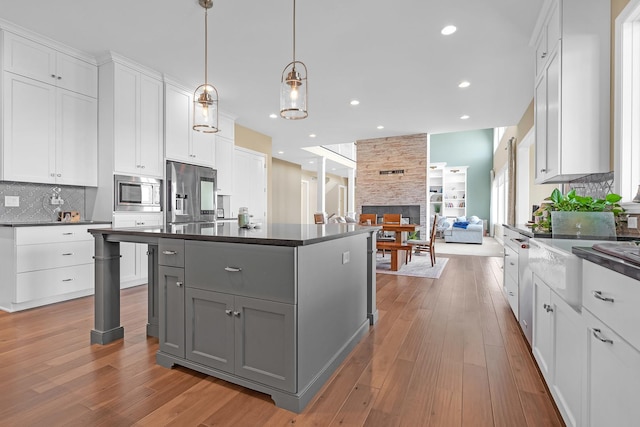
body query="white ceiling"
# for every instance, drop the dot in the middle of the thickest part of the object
(389, 55)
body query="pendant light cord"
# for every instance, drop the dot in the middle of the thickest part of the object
(206, 38)
(294, 34)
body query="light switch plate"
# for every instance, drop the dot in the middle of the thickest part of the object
(345, 257)
(11, 201)
(632, 222)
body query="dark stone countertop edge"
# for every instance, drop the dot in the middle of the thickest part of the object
(523, 229)
(152, 235)
(50, 223)
(609, 262)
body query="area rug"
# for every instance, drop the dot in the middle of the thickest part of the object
(489, 247)
(419, 266)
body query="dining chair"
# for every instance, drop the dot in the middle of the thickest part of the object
(371, 217)
(427, 245)
(391, 218)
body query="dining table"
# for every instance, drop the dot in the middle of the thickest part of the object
(397, 245)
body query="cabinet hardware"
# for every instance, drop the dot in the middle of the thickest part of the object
(598, 295)
(548, 308)
(68, 254)
(59, 175)
(53, 75)
(510, 293)
(67, 280)
(543, 170)
(544, 55)
(59, 78)
(511, 263)
(67, 234)
(229, 312)
(170, 252)
(598, 334)
(178, 284)
(233, 269)
(236, 313)
(53, 174)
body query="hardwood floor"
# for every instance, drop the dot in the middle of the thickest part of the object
(445, 352)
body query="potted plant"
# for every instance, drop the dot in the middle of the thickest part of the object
(571, 202)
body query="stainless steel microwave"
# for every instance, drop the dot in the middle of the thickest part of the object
(138, 194)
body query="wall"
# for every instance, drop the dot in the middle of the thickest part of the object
(34, 201)
(473, 149)
(248, 138)
(400, 152)
(286, 197)
(332, 182)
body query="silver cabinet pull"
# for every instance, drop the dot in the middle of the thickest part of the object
(67, 280)
(170, 252)
(548, 308)
(233, 269)
(598, 334)
(236, 313)
(544, 55)
(229, 312)
(68, 254)
(510, 293)
(511, 263)
(53, 76)
(178, 284)
(598, 295)
(67, 234)
(543, 170)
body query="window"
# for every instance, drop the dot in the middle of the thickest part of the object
(627, 101)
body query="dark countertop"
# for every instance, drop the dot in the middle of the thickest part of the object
(527, 231)
(607, 261)
(270, 234)
(48, 223)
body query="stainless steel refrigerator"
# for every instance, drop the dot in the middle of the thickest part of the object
(191, 193)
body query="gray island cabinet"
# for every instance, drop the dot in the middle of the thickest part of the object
(274, 310)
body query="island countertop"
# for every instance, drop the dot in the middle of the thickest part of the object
(270, 234)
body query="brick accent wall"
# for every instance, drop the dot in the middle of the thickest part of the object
(407, 152)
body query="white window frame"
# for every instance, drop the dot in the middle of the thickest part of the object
(627, 102)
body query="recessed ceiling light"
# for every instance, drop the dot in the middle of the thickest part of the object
(273, 116)
(280, 152)
(464, 117)
(380, 127)
(448, 30)
(354, 102)
(311, 161)
(312, 135)
(464, 84)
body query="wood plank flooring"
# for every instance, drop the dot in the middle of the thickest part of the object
(445, 352)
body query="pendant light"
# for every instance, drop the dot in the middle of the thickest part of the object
(293, 84)
(205, 98)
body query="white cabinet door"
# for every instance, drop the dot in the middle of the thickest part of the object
(125, 120)
(542, 328)
(553, 115)
(224, 164)
(138, 123)
(29, 151)
(177, 116)
(182, 143)
(76, 139)
(37, 61)
(612, 378)
(540, 120)
(150, 115)
(568, 349)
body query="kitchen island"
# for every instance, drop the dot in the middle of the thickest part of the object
(275, 309)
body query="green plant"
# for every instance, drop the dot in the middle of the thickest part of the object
(571, 202)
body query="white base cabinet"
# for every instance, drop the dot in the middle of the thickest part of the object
(558, 349)
(45, 264)
(612, 374)
(133, 261)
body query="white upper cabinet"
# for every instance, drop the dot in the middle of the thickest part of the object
(35, 60)
(572, 100)
(62, 148)
(131, 118)
(225, 151)
(182, 143)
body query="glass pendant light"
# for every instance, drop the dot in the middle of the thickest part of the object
(293, 84)
(205, 98)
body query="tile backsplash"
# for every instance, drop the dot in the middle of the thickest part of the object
(34, 201)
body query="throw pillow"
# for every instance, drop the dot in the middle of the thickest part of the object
(474, 219)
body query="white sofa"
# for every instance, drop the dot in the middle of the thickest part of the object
(472, 234)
